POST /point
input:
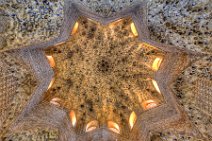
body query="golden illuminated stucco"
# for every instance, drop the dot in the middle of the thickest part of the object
(103, 72)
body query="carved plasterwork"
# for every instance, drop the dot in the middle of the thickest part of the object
(193, 90)
(16, 87)
(106, 73)
(174, 61)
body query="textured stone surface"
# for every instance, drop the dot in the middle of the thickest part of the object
(16, 86)
(194, 98)
(175, 135)
(108, 8)
(25, 21)
(101, 135)
(183, 23)
(36, 134)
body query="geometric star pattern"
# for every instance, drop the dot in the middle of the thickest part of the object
(39, 112)
(104, 73)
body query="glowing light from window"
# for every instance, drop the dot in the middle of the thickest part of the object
(133, 29)
(92, 20)
(73, 118)
(55, 101)
(91, 129)
(117, 21)
(156, 86)
(59, 43)
(51, 83)
(113, 24)
(149, 104)
(51, 61)
(91, 126)
(156, 63)
(114, 127)
(75, 28)
(132, 119)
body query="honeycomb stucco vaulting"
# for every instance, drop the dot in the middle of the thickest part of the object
(24, 80)
(17, 85)
(40, 114)
(106, 73)
(192, 89)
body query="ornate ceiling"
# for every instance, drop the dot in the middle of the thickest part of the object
(105, 70)
(104, 73)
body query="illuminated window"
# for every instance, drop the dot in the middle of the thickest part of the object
(156, 63)
(113, 24)
(156, 86)
(73, 118)
(75, 28)
(149, 104)
(91, 126)
(55, 101)
(132, 119)
(51, 83)
(133, 29)
(51, 61)
(117, 21)
(58, 44)
(114, 127)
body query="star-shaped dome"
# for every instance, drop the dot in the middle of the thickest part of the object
(104, 73)
(91, 70)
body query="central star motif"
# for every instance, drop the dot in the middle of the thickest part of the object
(104, 66)
(104, 72)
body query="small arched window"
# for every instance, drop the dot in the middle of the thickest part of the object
(51, 83)
(91, 126)
(73, 118)
(114, 127)
(156, 86)
(149, 104)
(133, 29)
(51, 61)
(156, 63)
(55, 101)
(132, 119)
(75, 28)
